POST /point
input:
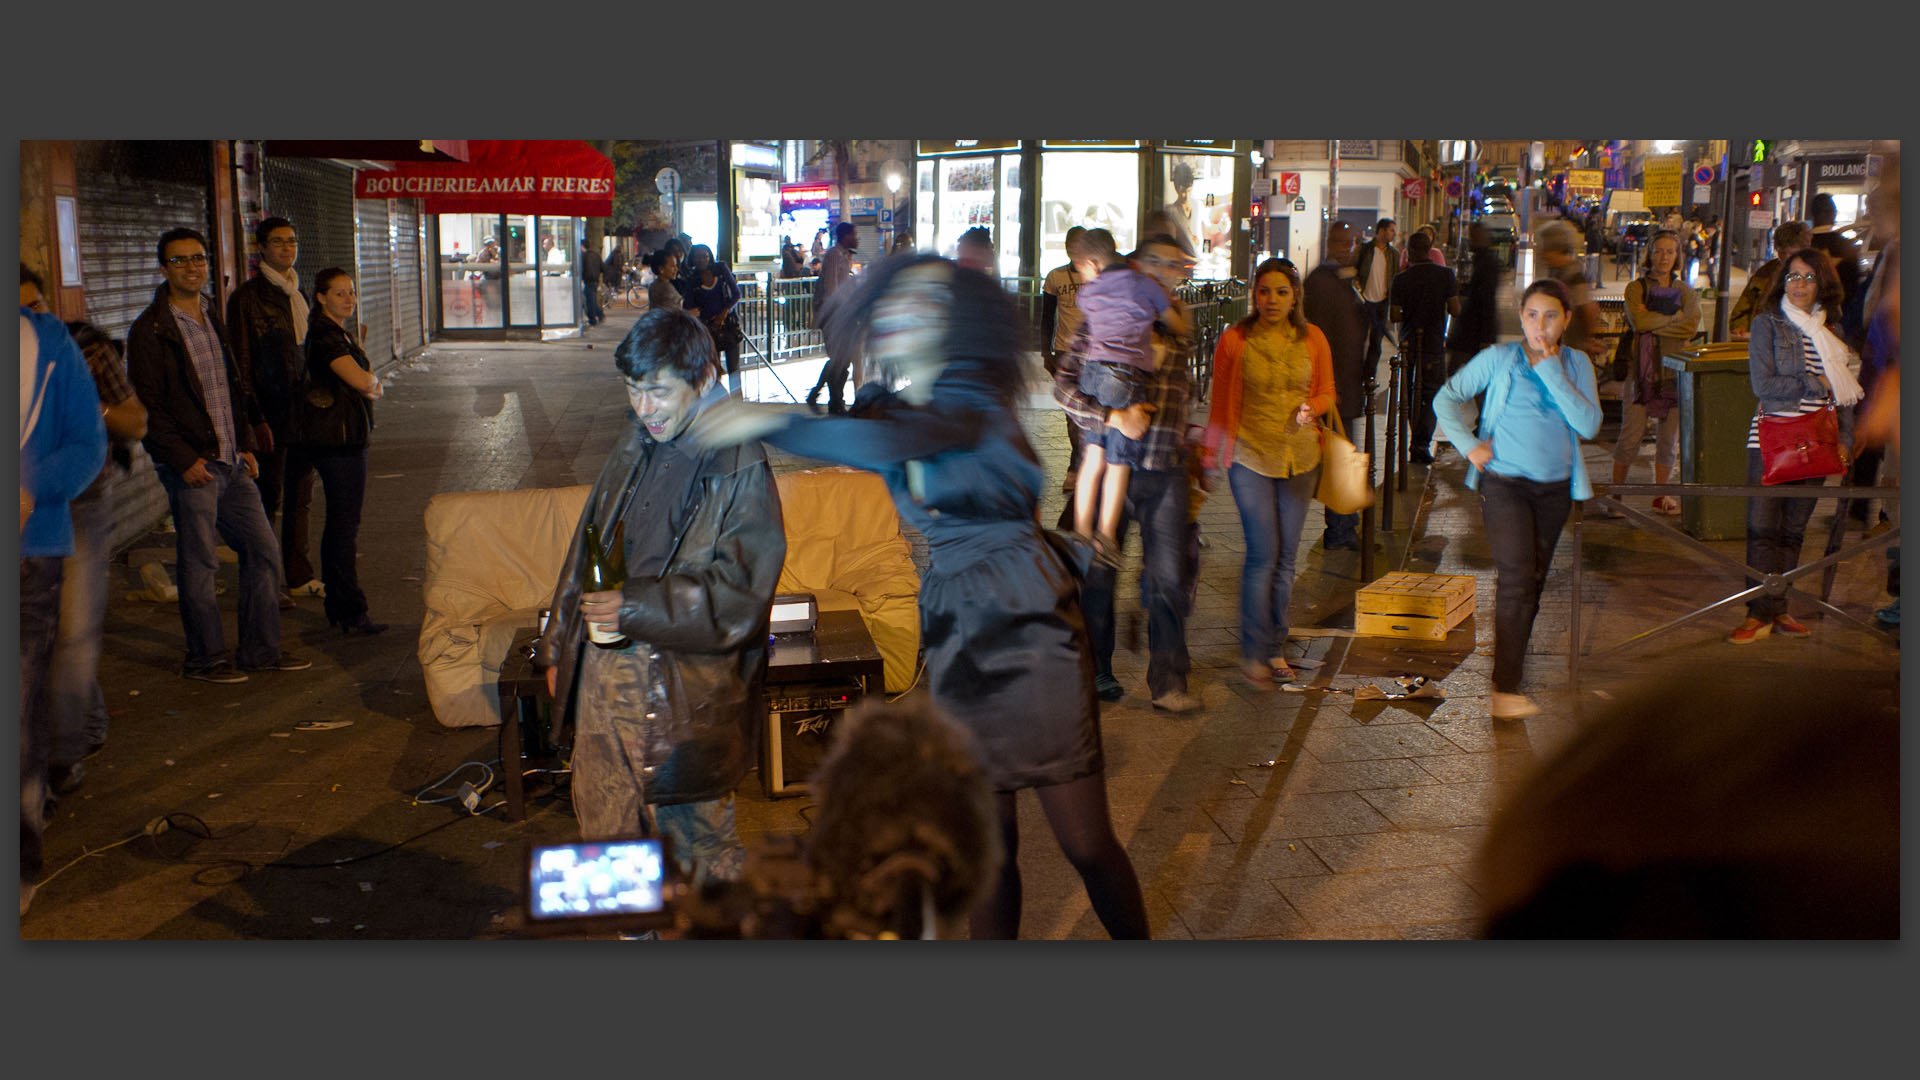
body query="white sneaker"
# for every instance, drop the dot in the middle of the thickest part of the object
(1176, 701)
(1512, 706)
(311, 588)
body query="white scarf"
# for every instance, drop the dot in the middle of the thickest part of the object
(290, 284)
(1834, 354)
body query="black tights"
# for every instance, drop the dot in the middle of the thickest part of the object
(1077, 811)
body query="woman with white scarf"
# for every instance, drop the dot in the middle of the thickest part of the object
(1797, 365)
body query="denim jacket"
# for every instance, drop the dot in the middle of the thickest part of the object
(1570, 383)
(1777, 364)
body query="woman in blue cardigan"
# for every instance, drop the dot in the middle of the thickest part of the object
(1541, 401)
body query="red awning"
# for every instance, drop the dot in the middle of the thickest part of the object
(561, 177)
(371, 149)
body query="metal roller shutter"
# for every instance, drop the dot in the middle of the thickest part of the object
(374, 274)
(409, 326)
(317, 196)
(130, 193)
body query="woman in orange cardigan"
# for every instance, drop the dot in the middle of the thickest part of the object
(1272, 379)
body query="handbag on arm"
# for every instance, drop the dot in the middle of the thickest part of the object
(1803, 447)
(1345, 486)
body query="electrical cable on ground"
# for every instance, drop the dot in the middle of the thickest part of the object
(917, 672)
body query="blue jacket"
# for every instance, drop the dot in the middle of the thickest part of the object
(1570, 383)
(69, 440)
(1777, 363)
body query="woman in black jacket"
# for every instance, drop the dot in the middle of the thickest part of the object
(330, 423)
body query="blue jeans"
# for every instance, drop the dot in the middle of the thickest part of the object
(1776, 528)
(343, 479)
(594, 313)
(1272, 513)
(39, 622)
(74, 698)
(703, 836)
(1522, 519)
(227, 508)
(1159, 500)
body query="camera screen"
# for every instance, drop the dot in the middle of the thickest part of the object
(574, 880)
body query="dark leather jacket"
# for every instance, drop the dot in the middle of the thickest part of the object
(179, 431)
(704, 620)
(260, 319)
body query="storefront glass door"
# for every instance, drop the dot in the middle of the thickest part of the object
(559, 246)
(969, 195)
(469, 272)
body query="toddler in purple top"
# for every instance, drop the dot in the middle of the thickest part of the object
(1119, 304)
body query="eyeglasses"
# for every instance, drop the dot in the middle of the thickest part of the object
(291, 241)
(1801, 277)
(187, 260)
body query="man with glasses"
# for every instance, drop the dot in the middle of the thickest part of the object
(201, 419)
(268, 319)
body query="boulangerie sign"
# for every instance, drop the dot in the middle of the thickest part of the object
(536, 176)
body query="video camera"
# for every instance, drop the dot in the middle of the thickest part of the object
(595, 889)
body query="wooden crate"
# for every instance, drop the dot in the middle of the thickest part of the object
(1423, 607)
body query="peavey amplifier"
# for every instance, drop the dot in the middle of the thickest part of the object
(800, 719)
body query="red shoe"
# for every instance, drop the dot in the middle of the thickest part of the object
(1791, 626)
(1750, 631)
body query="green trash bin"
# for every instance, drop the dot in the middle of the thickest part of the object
(1716, 407)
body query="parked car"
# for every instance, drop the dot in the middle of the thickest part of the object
(1631, 227)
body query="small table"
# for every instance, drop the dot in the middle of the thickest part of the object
(523, 686)
(812, 678)
(838, 647)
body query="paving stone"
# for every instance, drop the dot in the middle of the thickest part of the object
(1316, 814)
(1356, 744)
(1193, 861)
(1499, 765)
(1396, 850)
(1436, 806)
(1235, 910)
(1307, 774)
(1418, 896)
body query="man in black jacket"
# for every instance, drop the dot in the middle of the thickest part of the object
(666, 725)
(1423, 296)
(201, 419)
(267, 324)
(1334, 307)
(590, 270)
(1478, 324)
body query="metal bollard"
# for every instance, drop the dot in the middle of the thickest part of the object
(1393, 422)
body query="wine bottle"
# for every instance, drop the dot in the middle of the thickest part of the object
(604, 575)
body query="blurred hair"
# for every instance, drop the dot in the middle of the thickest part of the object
(904, 814)
(1382, 223)
(699, 249)
(1550, 287)
(979, 235)
(323, 280)
(29, 277)
(1297, 317)
(88, 336)
(844, 230)
(1791, 236)
(668, 339)
(1419, 244)
(266, 227)
(981, 325)
(1821, 210)
(1761, 806)
(1826, 282)
(1556, 236)
(655, 260)
(174, 236)
(1182, 175)
(1096, 244)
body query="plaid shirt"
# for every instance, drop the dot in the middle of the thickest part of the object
(1164, 447)
(210, 364)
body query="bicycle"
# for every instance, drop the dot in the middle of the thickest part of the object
(636, 292)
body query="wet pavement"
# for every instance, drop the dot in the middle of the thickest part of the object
(1263, 815)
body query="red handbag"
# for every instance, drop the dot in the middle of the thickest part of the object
(1803, 447)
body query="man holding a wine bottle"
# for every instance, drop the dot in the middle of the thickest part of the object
(656, 649)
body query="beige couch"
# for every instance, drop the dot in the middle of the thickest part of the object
(493, 558)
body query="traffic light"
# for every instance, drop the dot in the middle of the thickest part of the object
(1760, 148)
(1753, 199)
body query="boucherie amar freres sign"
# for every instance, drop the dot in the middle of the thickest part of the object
(536, 176)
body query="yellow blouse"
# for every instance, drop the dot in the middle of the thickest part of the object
(1276, 376)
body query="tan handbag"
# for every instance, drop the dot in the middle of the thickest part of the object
(1345, 487)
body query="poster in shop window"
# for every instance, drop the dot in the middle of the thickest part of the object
(1198, 198)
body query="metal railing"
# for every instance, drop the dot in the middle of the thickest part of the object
(1771, 584)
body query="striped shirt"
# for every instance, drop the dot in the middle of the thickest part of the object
(209, 363)
(1807, 404)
